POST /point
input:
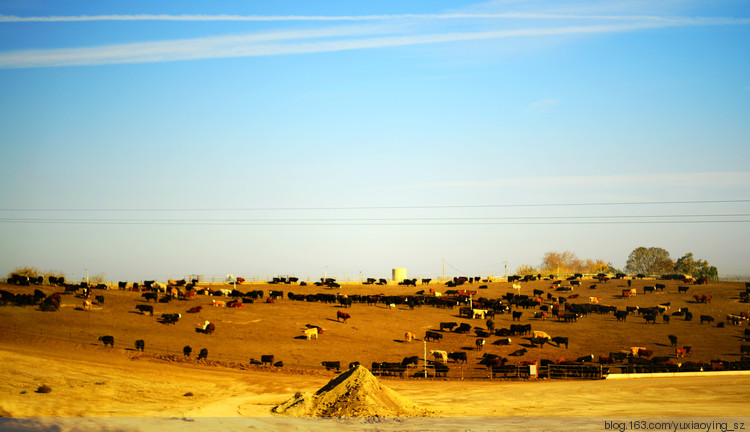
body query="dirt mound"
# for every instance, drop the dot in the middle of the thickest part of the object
(354, 393)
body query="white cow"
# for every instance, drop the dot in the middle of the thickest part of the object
(479, 313)
(440, 355)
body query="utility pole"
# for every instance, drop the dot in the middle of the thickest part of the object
(425, 357)
(443, 275)
(506, 269)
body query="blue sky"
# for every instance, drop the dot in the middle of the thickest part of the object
(162, 139)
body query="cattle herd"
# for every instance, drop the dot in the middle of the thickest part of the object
(468, 326)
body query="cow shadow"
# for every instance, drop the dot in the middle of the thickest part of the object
(469, 348)
(301, 337)
(399, 341)
(662, 345)
(334, 320)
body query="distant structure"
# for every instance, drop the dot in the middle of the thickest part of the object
(399, 274)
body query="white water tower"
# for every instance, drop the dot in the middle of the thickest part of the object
(399, 274)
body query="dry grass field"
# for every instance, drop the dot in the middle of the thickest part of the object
(376, 332)
(61, 349)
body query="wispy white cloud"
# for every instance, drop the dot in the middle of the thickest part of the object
(220, 17)
(327, 39)
(542, 105)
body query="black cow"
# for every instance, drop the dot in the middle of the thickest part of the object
(170, 318)
(140, 345)
(481, 333)
(332, 365)
(503, 341)
(447, 325)
(441, 369)
(266, 359)
(203, 354)
(621, 315)
(463, 328)
(559, 340)
(457, 356)
(7, 297)
(431, 335)
(650, 318)
(145, 308)
(151, 296)
(517, 316)
(648, 289)
(665, 318)
(490, 325)
(187, 350)
(108, 340)
(682, 289)
(413, 360)
(707, 318)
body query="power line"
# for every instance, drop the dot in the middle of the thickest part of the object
(375, 207)
(473, 218)
(343, 223)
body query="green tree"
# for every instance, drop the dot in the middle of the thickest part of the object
(612, 269)
(696, 268)
(649, 261)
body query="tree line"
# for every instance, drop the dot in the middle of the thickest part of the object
(647, 261)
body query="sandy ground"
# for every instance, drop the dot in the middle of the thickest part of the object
(95, 388)
(117, 387)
